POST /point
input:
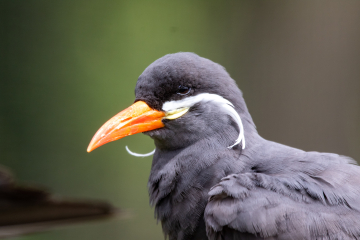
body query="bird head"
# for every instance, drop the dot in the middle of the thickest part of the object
(181, 98)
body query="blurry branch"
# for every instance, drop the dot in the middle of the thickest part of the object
(29, 209)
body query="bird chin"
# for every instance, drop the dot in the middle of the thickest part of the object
(153, 133)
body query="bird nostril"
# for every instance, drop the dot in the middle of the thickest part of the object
(125, 119)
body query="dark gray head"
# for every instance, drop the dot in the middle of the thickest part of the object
(180, 76)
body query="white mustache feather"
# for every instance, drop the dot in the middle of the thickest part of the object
(223, 104)
(139, 154)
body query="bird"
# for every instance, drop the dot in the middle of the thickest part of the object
(27, 209)
(214, 177)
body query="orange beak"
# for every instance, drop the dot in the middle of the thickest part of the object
(137, 118)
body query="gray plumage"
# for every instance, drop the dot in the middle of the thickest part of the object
(203, 190)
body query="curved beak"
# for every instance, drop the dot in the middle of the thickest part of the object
(137, 118)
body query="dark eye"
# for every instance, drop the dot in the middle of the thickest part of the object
(183, 90)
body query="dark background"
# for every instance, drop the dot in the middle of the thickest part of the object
(68, 66)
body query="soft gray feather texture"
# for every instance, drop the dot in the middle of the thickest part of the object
(203, 190)
(291, 194)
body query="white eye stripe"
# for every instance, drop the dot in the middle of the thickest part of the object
(223, 104)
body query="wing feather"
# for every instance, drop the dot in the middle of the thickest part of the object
(286, 206)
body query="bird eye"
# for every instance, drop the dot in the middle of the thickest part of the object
(183, 90)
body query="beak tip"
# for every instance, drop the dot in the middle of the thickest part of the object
(90, 148)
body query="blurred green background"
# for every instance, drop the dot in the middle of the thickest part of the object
(68, 66)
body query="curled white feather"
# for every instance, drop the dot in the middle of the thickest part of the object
(139, 154)
(224, 104)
